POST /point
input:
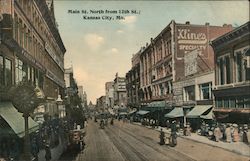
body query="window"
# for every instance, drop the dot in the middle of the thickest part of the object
(228, 73)
(232, 102)
(5, 71)
(206, 91)
(239, 66)
(221, 71)
(189, 93)
(240, 102)
(247, 102)
(16, 27)
(1, 71)
(218, 102)
(226, 103)
(8, 73)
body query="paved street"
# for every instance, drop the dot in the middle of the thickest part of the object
(128, 142)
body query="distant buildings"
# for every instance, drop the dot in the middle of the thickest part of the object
(101, 103)
(232, 75)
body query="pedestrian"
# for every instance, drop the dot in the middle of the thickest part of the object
(235, 133)
(244, 137)
(167, 124)
(47, 153)
(173, 141)
(217, 133)
(35, 149)
(228, 134)
(162, 137)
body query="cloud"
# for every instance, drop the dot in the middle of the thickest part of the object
(93, 40)
(120, 31)
(129, 20)
(114, 50)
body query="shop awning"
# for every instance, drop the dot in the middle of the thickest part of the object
(208, 116)
(198, 110)
(123, 113)
(15, 119)
(132, 112)
(142, 112)
(176, 112)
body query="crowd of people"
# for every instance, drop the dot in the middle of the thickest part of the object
(47, 137)
(226, 132)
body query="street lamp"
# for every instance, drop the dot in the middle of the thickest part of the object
(60, 108)
(25, 99)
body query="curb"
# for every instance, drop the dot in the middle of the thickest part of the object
(233, 151)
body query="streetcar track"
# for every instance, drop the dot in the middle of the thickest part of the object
(153, 147)
(122, 148)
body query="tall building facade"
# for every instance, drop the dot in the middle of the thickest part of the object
(232, 76)
(31, 48)
(162, 62)
(109, 94)
(120, 91)
(133, 82)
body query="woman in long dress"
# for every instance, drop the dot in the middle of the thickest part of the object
(228, 134)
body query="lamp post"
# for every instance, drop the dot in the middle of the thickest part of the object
(25, 99)
(60, 109)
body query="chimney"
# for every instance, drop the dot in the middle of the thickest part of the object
(207, 23)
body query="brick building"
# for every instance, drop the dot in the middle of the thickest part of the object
(31, 48)
(133, 83)
(232, 76)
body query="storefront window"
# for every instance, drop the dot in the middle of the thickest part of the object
(240, 102)
(226, 103)
(8, 73)
(218, 102)
(232, 102)
(247, 102)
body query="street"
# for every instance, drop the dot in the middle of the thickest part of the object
(129, 142)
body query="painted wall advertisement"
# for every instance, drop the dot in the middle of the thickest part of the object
(191, 38)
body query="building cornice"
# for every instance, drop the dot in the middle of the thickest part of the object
(236, 34)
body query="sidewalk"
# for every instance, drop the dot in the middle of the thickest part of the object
(56, 152)
(235, 147)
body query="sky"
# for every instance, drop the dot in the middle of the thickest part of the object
(98, 49)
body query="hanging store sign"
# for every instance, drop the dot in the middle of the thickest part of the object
(190, 38)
